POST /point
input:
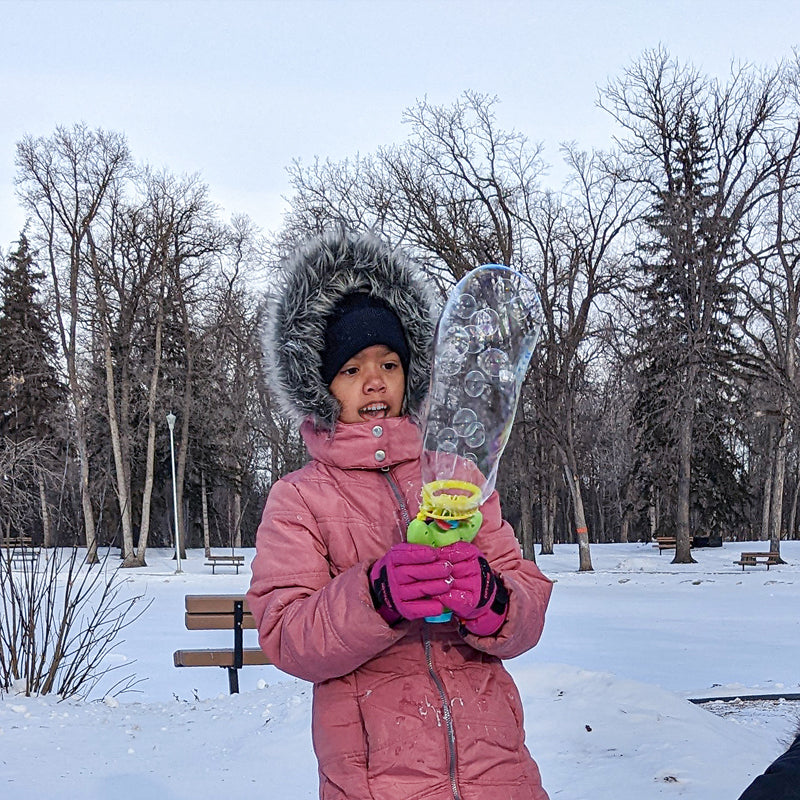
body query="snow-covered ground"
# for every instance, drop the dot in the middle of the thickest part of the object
(605, 692)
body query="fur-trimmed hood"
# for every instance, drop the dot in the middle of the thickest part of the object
(319, 274)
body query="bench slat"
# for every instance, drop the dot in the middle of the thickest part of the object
(251, 656)
(213, 603)
(217, 622)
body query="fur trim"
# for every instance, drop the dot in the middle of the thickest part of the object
(315, 278)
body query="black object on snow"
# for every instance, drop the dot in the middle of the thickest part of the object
(781, 780)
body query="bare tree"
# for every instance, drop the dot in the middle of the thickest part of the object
(64, 182)
(773, 298)
(574, 237)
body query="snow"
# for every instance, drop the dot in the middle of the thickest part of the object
(605, 692)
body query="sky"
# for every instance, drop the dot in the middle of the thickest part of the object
(235, 90)
(605, 692)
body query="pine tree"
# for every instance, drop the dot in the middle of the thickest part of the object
(31, 402)
(687, 346)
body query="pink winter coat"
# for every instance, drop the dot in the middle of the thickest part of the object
(414, 712)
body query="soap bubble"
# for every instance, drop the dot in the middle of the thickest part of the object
(477, 437)
(474, 383)
(464, 421)
(459, 339)
(471, 457)
(492, 361)
(465, 306)
(447, 440)
(451, 360)
(485, 321)
(475, 339)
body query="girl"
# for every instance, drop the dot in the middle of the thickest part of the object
(402, 708)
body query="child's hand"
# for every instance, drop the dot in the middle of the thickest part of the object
(476, 595)
(406, 581)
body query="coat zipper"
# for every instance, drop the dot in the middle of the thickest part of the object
(448, 714)
(437, 681)
(398, 495)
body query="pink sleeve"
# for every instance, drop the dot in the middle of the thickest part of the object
(310, 625)
(529, 590)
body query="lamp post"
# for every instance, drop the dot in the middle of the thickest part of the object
(171, 422)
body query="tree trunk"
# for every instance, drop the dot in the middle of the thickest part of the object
(204, 500)
(47, 533)
(778, 480)
(547, 493)
(625, 528)
(123, 487)
(581, 530)
(181, 472)
(86, 501)
(150, 458)
(526, 521)
(683, 533)
(767, 503)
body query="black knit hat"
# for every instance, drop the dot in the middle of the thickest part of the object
(358, 321)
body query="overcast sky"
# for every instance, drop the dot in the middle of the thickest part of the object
(235, 90)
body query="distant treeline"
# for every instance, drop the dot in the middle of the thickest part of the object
(663, 396)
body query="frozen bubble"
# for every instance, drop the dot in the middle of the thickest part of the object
(518, 310)
(474, 383)
(464, 421)
(445, 438)
(465, 306)
(475, 339)
(477, 437)
(458, 339)
(492, 361)
(485, 321)
(450, 360)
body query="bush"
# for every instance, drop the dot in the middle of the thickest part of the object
(59, 619)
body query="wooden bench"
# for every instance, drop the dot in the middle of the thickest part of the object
(665, 543)
(214, 612)
(751, 559)
(20, 549)
(669, 543)
(230, 560)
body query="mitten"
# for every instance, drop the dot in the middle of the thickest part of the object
(476, 595)
(405, 581)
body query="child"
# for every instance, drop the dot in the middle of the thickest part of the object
(403, 708)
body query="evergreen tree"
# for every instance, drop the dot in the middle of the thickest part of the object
(687, 347)
(31, 401)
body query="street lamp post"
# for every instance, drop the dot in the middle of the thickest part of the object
(171, 422)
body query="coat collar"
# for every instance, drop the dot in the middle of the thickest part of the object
(364, 445)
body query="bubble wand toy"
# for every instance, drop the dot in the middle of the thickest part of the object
(484, 342)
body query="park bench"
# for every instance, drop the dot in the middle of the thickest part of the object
(751, 559)
(19, 549)
(228, 560)
(669, 543)
(665, 543)
(207, 612)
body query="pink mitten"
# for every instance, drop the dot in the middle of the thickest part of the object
(405, 582)
(476, 595)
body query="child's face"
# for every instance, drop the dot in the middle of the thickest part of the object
(370, 385)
